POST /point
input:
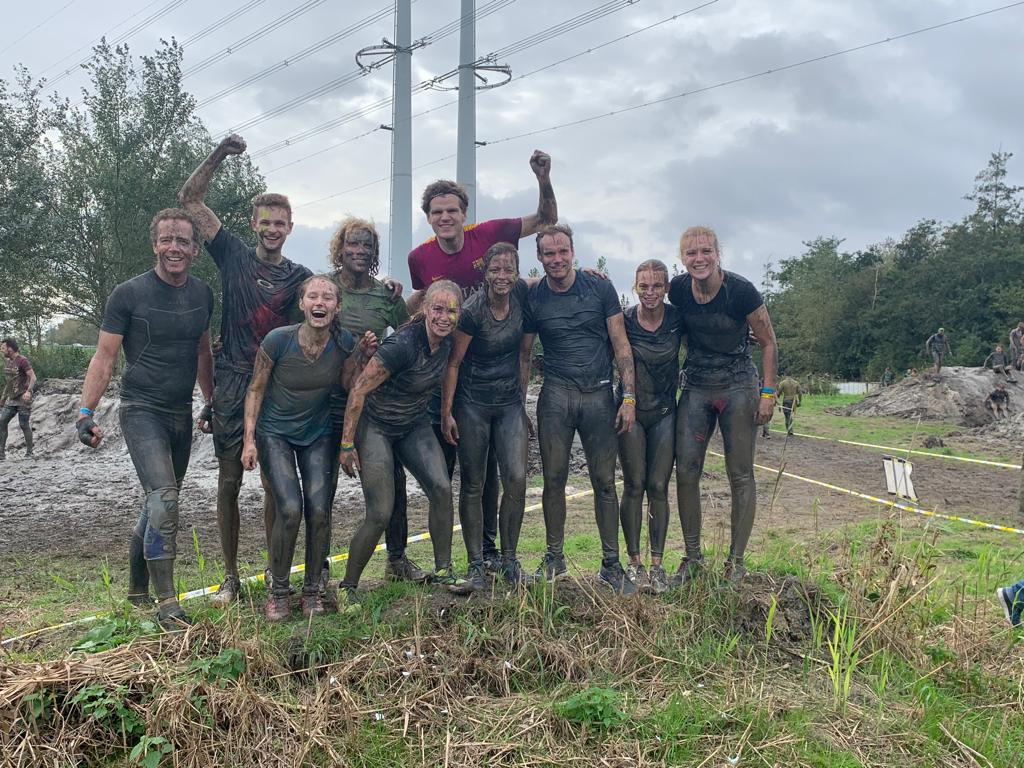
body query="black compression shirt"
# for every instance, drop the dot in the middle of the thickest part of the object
(414, 376)
(656, 359)
(718, 349)
(256, 298)
(489, 374)
(161, 325)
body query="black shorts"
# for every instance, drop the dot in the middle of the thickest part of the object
(229, 390)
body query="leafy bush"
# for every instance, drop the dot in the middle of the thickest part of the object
(55, 362)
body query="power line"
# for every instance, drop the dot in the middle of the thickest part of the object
(222, 21)
(37, 26)
(705, 89)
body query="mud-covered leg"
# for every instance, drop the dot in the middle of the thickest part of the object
(377, 476)
(738, 421)
(695, 422)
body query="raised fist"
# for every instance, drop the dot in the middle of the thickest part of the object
(233, 145)
(540, 162)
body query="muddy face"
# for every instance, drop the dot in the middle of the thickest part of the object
(174, 248)
(501, 274)
(442, 315)
(319, 303)
(272, 225)
(357, 251)
(651, 288)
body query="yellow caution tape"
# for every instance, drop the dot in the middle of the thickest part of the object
(986, 462)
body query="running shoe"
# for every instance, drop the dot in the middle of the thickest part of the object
(613, 576)
(492, 565)
(734, 573)
(173, 619)
(659, 580)
(512, 572)
(688, 570)
(312, 605)
(140, 599)
(227, 592)
(637, 574)
(551, 568)
(328, 596)
(278, 607)
(1006, 600)
(476, 575)
(404, 569)
(447, 579)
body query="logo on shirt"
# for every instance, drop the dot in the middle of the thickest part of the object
(478, 265)
(266, 285)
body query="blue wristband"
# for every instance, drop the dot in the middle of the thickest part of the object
(767, 391)
(85, 411)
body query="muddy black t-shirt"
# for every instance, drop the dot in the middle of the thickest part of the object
(573, 328)
(414, 376)
(256, 298)
(161, 325)
(718, 350)
(655, 358)
(489, 374)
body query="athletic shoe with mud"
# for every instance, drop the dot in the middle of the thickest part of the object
(278, 608)
(613, 576)
(268, 579)
(312, 605)
(476, 575)
(492, 566)
(404, 569)
(173, 619)
(659, 580)
(688, 570)
(227, 592)
(1006, 600)
(328, 596)
(346, 598)
(551, 568)
(637, 574)
(512, 572)
(733, 574)
(140, 599)
(446, 579)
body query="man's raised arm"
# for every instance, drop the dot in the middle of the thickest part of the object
(547, 207)
(192, 193)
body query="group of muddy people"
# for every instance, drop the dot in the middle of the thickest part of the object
(379, 386)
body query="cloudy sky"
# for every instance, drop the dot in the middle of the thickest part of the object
(859, 146)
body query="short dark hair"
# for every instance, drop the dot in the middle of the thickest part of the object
(444, 187)
(172, 214)
(555, 229)
(12, 343)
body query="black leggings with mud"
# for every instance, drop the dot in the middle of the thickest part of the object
(734, 410)
(647, 453)
(561, 413)
(416, 447)
(299, 477)
(160, 444)
(479, 425)
(24, 413)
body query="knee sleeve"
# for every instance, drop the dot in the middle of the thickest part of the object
(160, 539)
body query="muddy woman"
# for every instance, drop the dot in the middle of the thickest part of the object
(719, 309)
(162, 319)
(288, 430)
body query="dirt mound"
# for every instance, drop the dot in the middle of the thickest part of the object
(956, 394)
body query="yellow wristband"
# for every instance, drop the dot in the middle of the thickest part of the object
(629, 401)
(767, 397)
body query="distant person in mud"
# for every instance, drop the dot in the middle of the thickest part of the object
(483, 410)
(368, 305)
(288, 425)
(1017, 345)
(719, 310)
(937, 346)
(580, 322)
(647, 451)
(998, 401)
(456, 253)
(19, 381)
(1000, 363)
(162, 319)
(387, 418)
(259, 290)
(789, 388)
(888, 377)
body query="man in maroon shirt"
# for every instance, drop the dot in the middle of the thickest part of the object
(456, 253)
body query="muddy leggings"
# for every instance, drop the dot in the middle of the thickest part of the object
(160, 444)
(7, 413)
(488, 496)
(418, 450)
(647, 453)
(299, 477)
(734, 409)
(561, 413)
(504, 428)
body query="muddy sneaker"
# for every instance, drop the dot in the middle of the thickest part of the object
(659, 580)
(512, 572)
(268, 579)
(637, 574)
(734, 573)
(140, 599)
(172, 618)
(476, 575)
(404, 569)
(346, 598)
(1011, 604)
(328, 596)
(613, 576)
(688, 570)
(227, 592)
(278, 608)
(492, 566)
(551, 568)
(312, 605)
(446, 579)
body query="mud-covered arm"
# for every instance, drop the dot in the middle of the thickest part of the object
(101, 367)
(194, 191)
(451, 374)
(257, 389)
(547, 206)
(761, 327)
(356, 362)
(30, 383)
(373, 375)
(205, 359)
(623, 352)
(525, 361)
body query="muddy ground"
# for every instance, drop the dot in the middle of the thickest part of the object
(74, 502)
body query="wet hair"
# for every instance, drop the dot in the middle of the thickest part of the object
(11, 343)
(555, 229)
(352, 224)
(497, 250)
(444, 187)
(441, 286)
(271, 200)
(700, 231)
(651, 265)
(172, 214)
